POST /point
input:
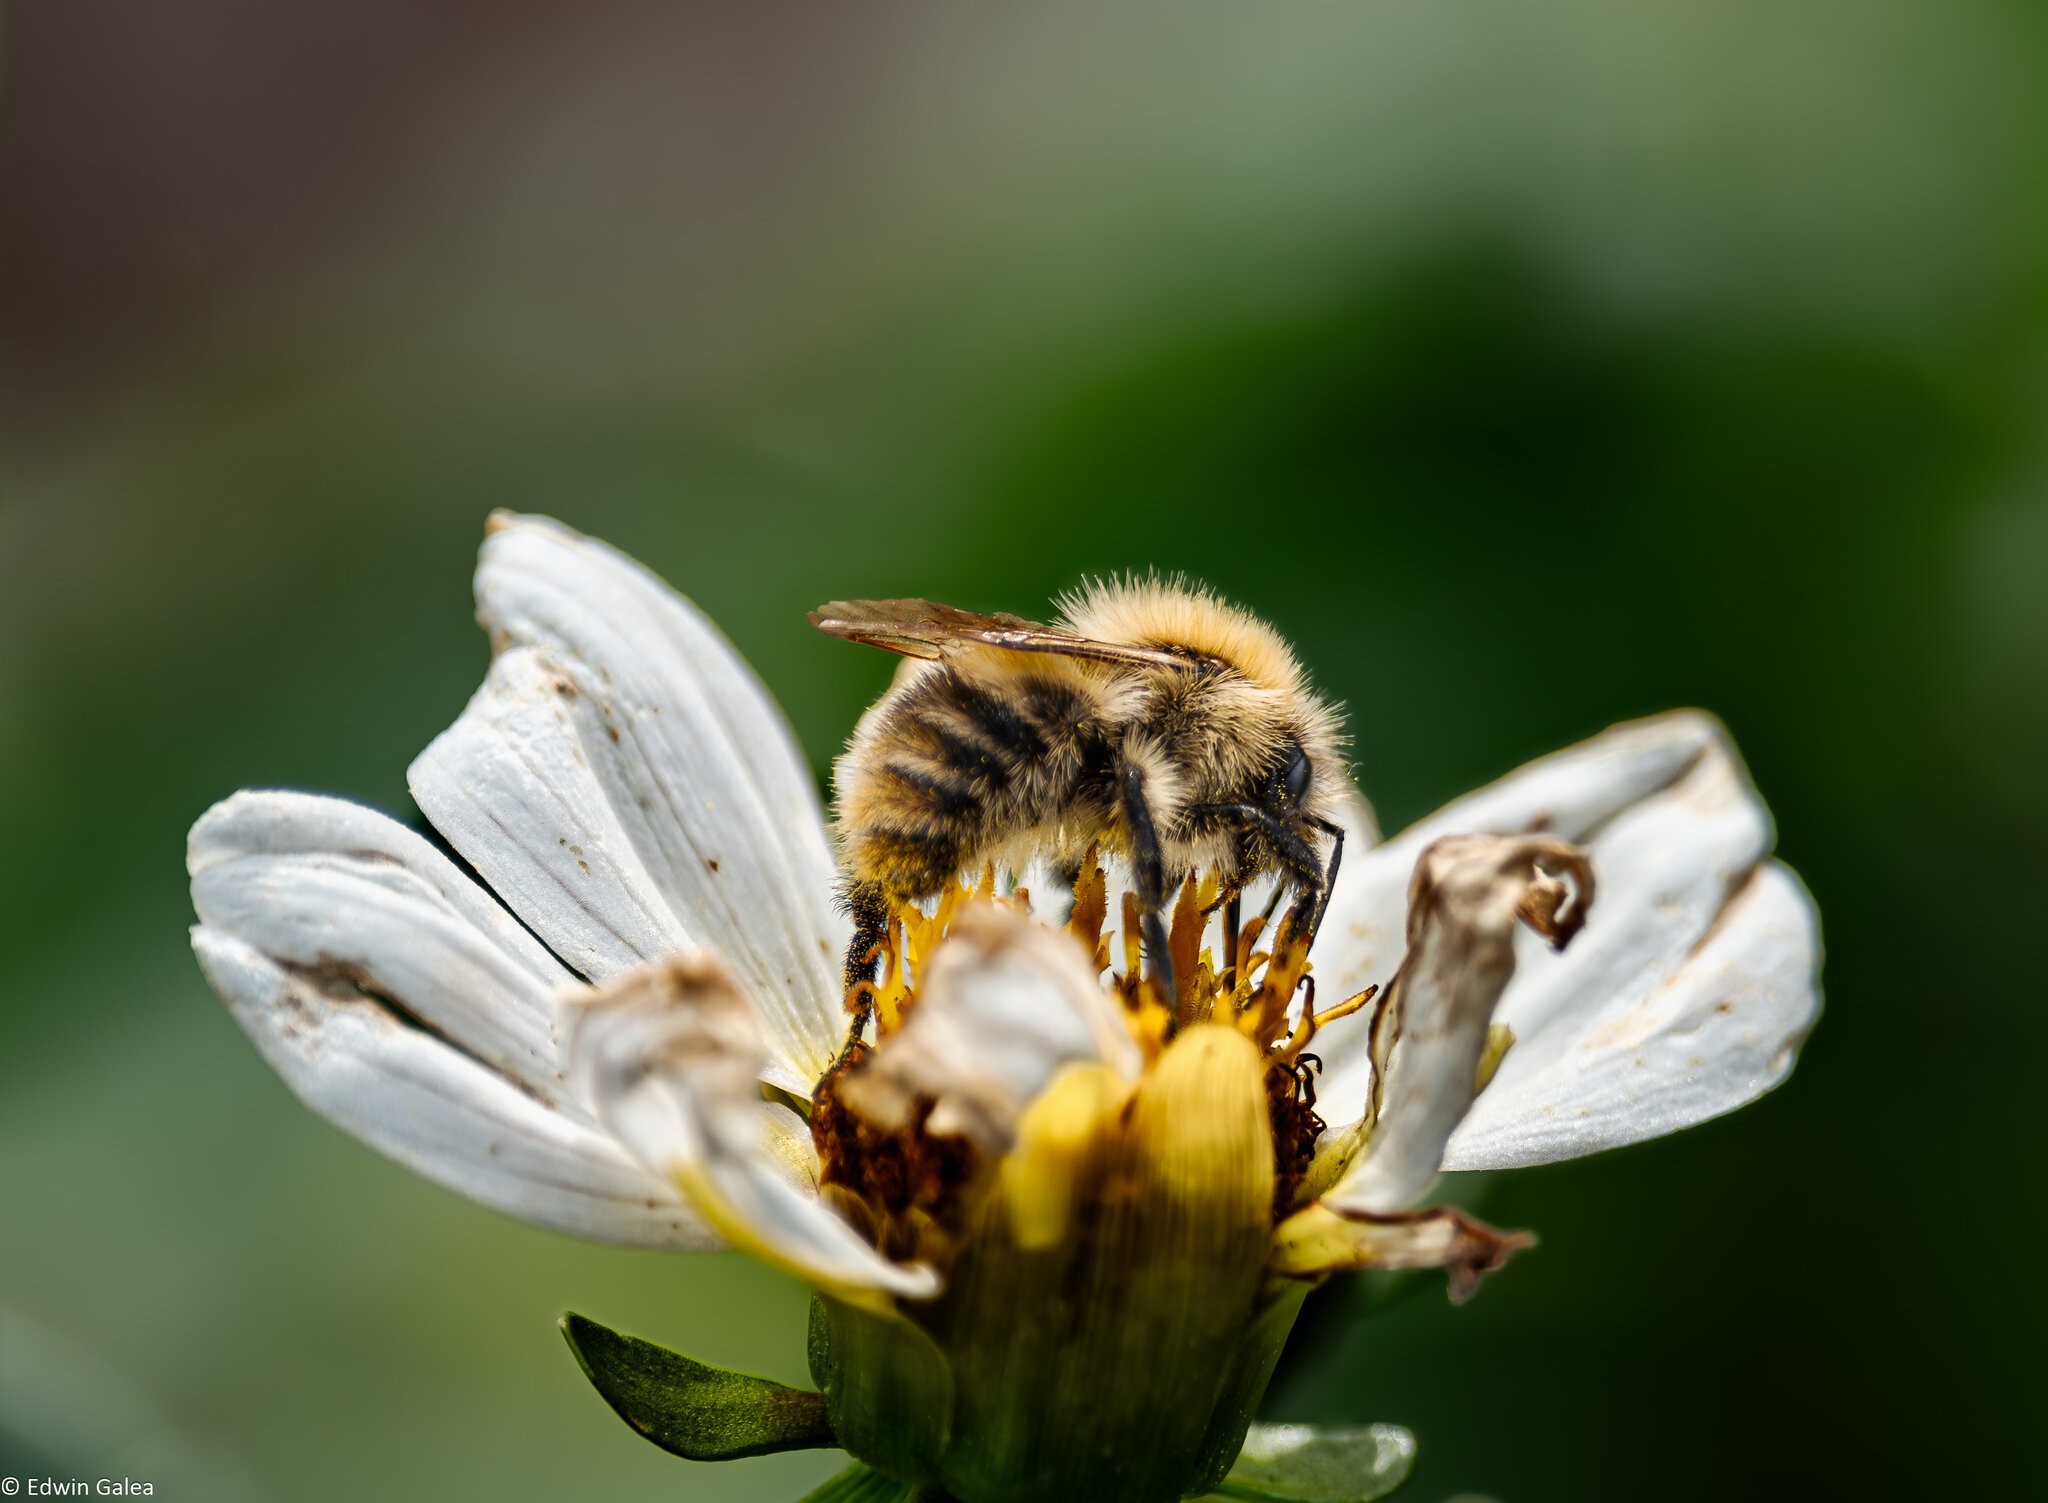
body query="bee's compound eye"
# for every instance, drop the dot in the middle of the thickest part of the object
(1296, 775)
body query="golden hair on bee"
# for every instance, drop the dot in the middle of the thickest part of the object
(1151, 611)
(1155, 722)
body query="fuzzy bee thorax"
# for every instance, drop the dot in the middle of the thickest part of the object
(1156, 723)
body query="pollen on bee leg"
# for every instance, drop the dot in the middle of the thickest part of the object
(861, 1006)
(891, 987)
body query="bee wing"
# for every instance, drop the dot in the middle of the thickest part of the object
(926, 629)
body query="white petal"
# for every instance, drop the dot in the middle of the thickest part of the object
(330, 887)
(1470, 893)
(665, 756)
(1719, 1032)
(1675, 831)
(510, 785)
(437, 1110)
(1005, 1005)
(1569, 794)
(669, 1055)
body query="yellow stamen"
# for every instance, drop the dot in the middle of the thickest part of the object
(1184, 941)
(1091, 909)
(1264, 997)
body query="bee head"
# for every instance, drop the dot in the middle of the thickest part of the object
(1275, 819)
(1287, 786)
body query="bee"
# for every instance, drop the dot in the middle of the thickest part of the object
(1153, 722)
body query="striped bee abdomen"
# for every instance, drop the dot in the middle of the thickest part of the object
(953, 764)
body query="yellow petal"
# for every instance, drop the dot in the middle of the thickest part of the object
(1058, 1137)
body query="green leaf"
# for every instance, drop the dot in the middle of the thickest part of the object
(1312, 1464)
(696, 1411)
(860, 1484)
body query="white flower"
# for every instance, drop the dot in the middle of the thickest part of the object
(616, 1027)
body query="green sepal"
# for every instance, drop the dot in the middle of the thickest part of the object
(694, 1410)
(1245, 1386)
(860, 1484)
(1314, 1464)
(818, 1343)
(888, 1387)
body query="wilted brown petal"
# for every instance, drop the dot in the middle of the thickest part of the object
(1687, 996)
(668, 1056)
(1467, 895)
(1323, 1240)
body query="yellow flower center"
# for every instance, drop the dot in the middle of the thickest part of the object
(907, 1186)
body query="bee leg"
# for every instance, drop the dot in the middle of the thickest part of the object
(1336, 833)
(868, 902)
(1148, 868)
(1309, 881)
(1233, 916)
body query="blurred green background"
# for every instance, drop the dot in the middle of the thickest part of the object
(1534, 366)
